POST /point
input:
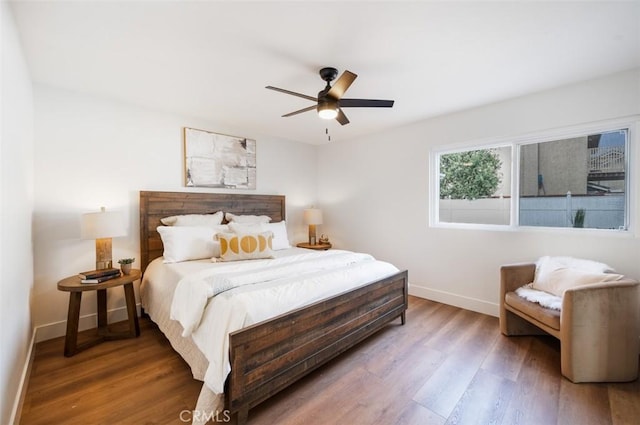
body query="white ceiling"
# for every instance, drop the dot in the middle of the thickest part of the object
(212, 59)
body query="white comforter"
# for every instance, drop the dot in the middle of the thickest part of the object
(212, 303)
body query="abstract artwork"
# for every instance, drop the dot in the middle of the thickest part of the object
(218, 160)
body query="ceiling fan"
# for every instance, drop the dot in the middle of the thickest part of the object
(330, 102)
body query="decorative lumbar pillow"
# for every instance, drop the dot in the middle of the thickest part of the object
(185, 243)
(279, 230)
(250, 246)
(559, 280)
(233, 218)
(194, 219)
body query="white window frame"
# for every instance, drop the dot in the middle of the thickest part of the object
(632, 161)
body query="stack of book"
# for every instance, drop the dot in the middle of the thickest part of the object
(97, 276)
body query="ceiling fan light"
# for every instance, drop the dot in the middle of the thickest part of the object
(327, 111)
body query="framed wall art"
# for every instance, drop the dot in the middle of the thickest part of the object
(219, 160)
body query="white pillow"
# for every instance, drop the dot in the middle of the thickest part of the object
(247, 218)
(279, 230)
(547, 264)
(559, 280)
(245, 228)
(194, 219)
(280, 236)
(184, 243)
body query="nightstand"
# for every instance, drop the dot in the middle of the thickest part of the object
(75, 288)
(318, 246)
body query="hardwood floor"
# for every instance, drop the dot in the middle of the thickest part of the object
(445, 366)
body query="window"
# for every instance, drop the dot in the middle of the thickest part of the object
(475, 186)
(575, 182)
(578, 180)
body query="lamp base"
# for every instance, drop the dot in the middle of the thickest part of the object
(103, 254)
(312, 234)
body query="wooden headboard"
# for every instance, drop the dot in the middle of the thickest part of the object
(156, 205)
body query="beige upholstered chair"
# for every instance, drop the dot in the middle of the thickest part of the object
(598, 326)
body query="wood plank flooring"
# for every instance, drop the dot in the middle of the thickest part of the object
(445, 366)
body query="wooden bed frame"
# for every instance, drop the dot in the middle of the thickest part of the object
(271, 355)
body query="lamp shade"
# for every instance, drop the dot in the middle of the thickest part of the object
(102, 224)
(312, 216)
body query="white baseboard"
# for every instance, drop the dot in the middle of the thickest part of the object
(89, 321)
(24, 382)
(473, 304)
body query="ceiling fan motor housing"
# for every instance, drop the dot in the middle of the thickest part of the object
(328, 74)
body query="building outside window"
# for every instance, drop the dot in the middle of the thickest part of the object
(575, 182)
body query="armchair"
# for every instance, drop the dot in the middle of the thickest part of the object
(598, 325)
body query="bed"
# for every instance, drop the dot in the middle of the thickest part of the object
(267, 356)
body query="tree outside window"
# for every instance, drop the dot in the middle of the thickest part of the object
(470, 175)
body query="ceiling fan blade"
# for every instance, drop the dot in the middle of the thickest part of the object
(304, 96)
(342, 118)
(365, 103)
(308, 108)
(342, 84)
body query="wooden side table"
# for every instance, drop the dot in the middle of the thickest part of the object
(75, 288)
(318, 246)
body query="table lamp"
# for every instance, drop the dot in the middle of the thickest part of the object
(312, 217)
(102, 226)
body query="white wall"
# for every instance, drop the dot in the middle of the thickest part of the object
(375, 194)
(93, 152)
(16, 205)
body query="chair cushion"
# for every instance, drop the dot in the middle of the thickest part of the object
(544, 315)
